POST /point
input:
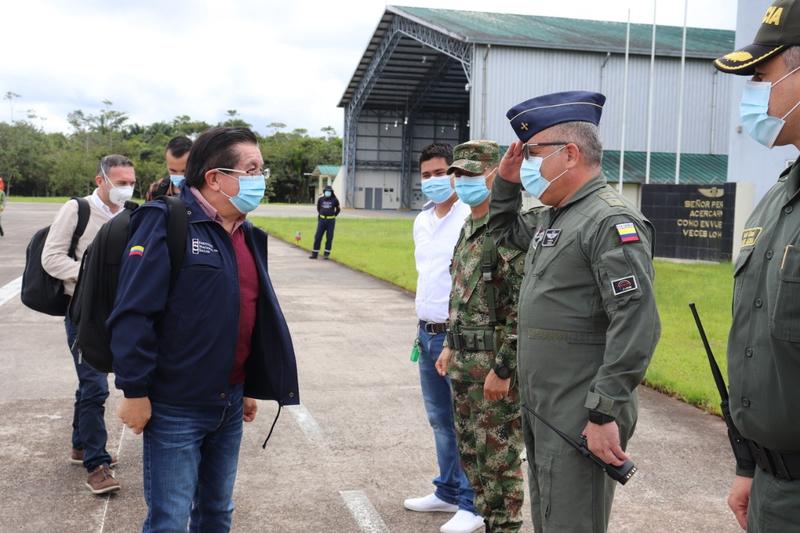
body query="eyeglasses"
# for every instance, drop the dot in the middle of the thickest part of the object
(526, 148)
(264, 171)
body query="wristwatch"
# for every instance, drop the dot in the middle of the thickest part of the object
(596, 417)
(502, 371)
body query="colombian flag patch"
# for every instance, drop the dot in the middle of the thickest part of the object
(627, 232)
(136, 250)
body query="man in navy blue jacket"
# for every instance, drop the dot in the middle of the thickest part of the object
(193, 354)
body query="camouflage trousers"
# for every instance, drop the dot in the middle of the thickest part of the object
(490, 442)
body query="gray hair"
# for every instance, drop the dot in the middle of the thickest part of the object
(583, 134)
(791, 57)
(111, 161)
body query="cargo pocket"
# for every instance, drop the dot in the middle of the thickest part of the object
(785, 323)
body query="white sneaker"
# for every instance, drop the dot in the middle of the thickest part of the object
(429, 504)
(463, 522)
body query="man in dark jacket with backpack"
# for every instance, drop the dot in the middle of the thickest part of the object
(192, 354)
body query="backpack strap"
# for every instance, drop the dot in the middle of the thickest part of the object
(488, 266)
(177, 230)
(83, 220)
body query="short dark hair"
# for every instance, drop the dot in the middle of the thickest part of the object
(435, 150)
(214, 149)
(178, 146)
(110, 161)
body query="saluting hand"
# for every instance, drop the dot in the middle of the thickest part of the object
(443, 361)
(603, 441)
(494, 387)
(512, 160)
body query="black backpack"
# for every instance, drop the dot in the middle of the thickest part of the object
(41, 291)
(97, 284)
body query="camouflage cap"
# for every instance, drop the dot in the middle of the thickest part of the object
(475, 157)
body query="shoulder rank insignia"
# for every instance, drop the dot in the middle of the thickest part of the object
(627, 232)
(611, 198)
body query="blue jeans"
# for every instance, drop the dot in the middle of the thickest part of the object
(88, 422)
(190, 456)
(452, 485)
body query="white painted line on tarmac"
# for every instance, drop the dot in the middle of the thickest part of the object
(363, 512)
(306, 422)
(10, 290)
(108, 496)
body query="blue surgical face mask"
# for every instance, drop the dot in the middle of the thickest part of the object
(471, 190)
(753, 107)
(327, 193)
(437, 188)
(251, 191)
(176, 179)
(530, 174)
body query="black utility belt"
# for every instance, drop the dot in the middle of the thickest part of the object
(782, 465)
(473, 339)
(327, 217)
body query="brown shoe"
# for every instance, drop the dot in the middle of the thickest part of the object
(101, 480)
(76, 458)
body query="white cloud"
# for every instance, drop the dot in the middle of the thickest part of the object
(286, 61)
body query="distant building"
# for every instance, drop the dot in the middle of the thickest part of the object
(443, 75)
(323, 176)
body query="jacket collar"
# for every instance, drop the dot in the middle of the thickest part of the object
(199, 210)
(597, 182)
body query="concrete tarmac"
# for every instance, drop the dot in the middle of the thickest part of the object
(344, 460)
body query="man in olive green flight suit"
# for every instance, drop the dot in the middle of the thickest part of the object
(764, 341)
(481, 347)
(587, 323)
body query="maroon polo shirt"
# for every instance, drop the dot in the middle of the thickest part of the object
(248, 289)
(248, 298)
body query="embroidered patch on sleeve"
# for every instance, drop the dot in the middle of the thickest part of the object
(136, 250)
(623, 285)
(627, 232)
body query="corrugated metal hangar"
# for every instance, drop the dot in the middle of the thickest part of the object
(442, 75)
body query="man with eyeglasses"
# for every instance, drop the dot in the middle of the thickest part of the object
(61, 258)
(193, 354)
(587, 318)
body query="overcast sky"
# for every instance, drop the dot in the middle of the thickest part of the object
(274, 61)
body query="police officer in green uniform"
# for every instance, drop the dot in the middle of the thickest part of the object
(764, 341)
(481, 347)
(587, 319)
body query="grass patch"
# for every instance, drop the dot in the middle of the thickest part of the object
(39, 199)
(384, 248)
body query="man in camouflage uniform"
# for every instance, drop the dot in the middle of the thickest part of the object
(480, 354)
(588, 323)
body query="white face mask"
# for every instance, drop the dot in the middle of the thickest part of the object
(117, 195)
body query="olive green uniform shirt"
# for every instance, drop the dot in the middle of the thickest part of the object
(764, 341)
(588, 323)
(469, 304)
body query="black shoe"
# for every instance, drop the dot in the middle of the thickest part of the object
(326, 257)
(312, 256)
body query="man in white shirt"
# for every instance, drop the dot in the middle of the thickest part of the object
(436, 231)
(115, 180)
